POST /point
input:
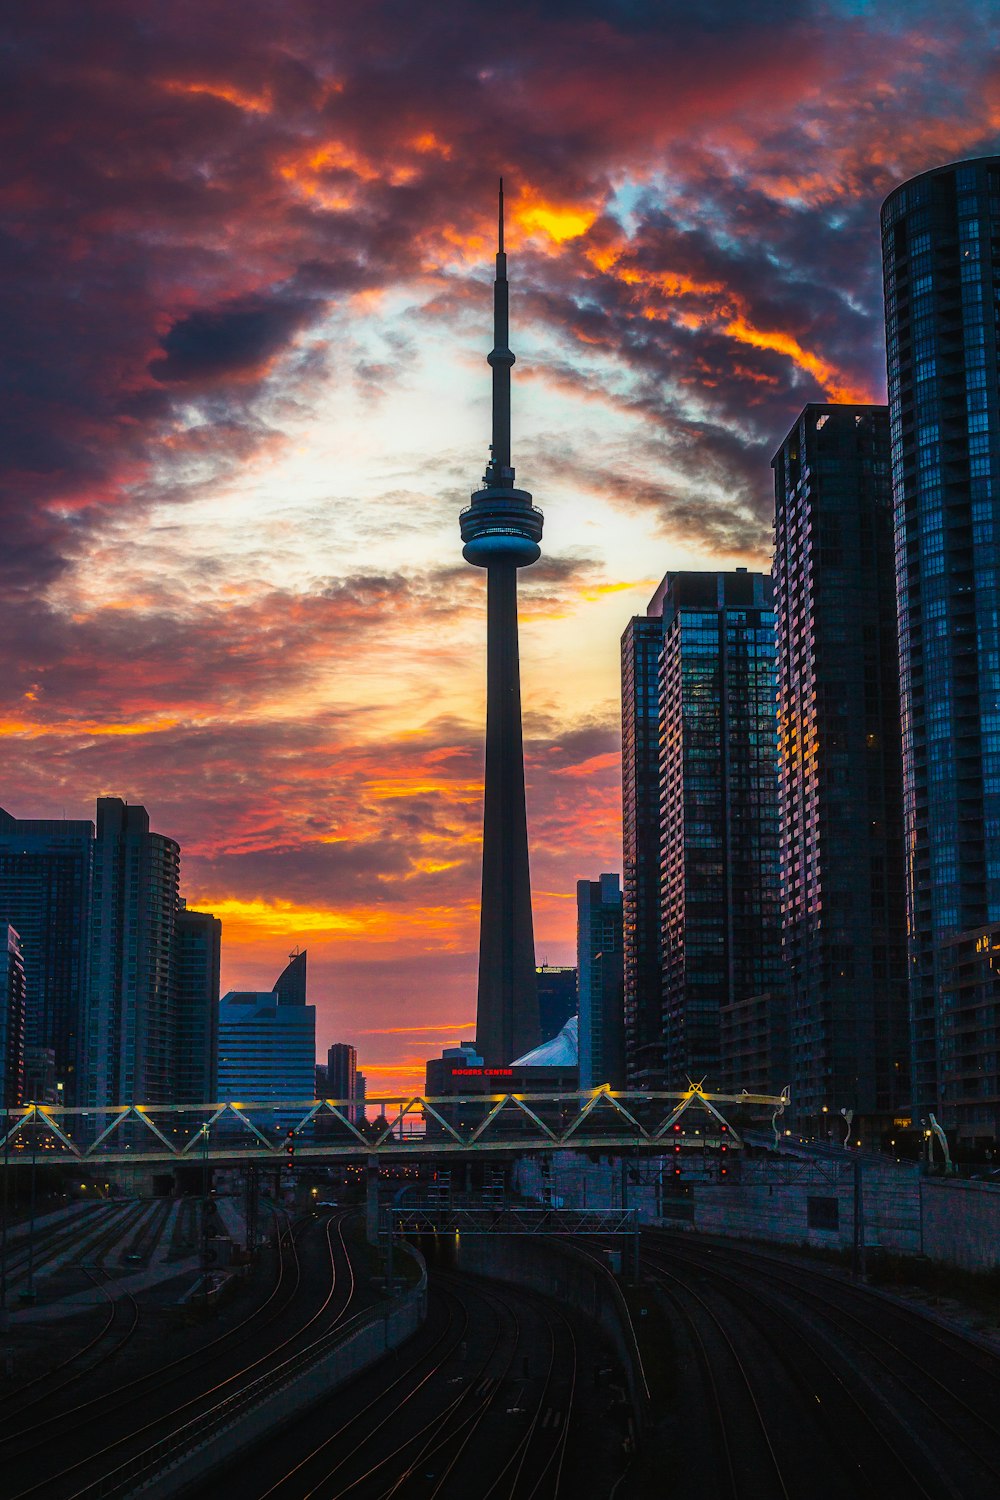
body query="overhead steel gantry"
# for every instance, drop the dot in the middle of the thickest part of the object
(413, 1127)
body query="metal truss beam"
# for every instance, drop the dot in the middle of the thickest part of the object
(411, 1127)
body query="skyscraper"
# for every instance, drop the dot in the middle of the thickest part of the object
(46, 878)
(599, 967)
(643, 1003)
(719, 936)
(501, 530)
(267, 1042)
(130, 1026)
(557, 998)
(12, 1010)
(342, 1071)
(197, 960)
(940, 259)
(842, 901)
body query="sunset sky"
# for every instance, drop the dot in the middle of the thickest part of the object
(246, 254)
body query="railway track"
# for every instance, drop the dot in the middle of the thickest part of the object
(104, 1431)
(480, 1402)
(808, 1384)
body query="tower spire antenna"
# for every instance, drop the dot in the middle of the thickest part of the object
(500, 359)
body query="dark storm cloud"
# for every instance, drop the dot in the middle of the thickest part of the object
(234, 341)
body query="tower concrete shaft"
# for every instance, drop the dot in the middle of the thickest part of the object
(501, 530)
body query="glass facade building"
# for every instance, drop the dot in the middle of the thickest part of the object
(557, 998)
(842, 903)
(46, 889)
(718, 810)
(131, 1024)
(643, 996)
(12, 1009)
(599, 970)
(198, 952)
(267, 1043)
(941, 263)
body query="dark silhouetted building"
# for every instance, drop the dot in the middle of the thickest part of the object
(46, 876)
(941, 261)
(290, 984)
(842, 890)
(754, 1044)
(556, 998)
(131, 1029)
(641, 645)
(599, 961)
(501, 530)
(342, 1071)
(197, 960)
(719, 900)
(40, 1076)
(12, 1012)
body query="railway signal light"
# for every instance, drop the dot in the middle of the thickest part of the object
(290, 1148)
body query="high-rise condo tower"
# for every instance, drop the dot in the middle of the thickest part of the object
(501, 530)
(941, 259)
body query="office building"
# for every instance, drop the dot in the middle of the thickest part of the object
(842, 867)
(197, 958)
(719, 901)
(601, 1036)
(342, 1080)
(267, 1043)
(556, 998)
(501, 531)
(641, 646)
(940, 260)
(40, 1082)
(12, 1012)
(342, 1073)
(130, 1029)
(46, 877)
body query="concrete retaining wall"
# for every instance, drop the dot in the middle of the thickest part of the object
(791, 1201)
(961, 1223)
(570, 1276)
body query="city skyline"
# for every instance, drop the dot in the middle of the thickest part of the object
(248, 349)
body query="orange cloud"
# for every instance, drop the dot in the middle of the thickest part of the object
(833, 383)
(257, 104)
(86, 727)
(538, 215)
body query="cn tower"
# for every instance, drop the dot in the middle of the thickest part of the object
(501, 530)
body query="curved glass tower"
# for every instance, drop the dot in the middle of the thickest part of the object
(941, 257)
(501, 530)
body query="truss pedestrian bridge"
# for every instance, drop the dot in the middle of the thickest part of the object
(411, 1127)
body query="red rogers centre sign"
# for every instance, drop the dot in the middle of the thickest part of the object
(482, 1072)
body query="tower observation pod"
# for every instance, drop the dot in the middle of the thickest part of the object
(501, 530)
